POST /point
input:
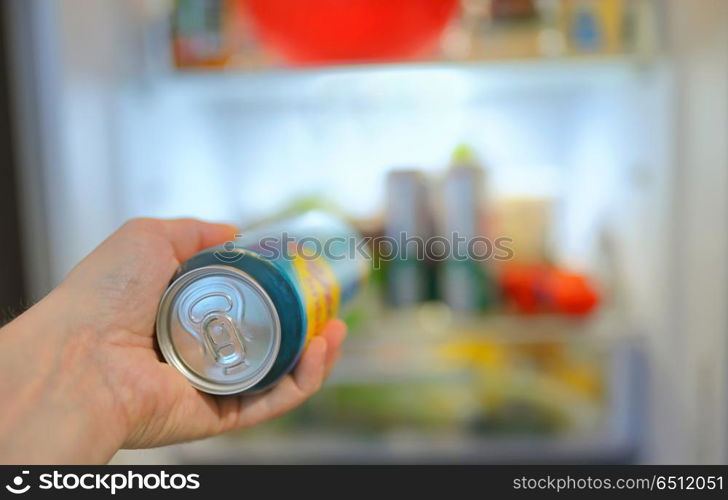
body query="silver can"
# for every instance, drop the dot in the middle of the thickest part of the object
(219, 327)
(238, 317)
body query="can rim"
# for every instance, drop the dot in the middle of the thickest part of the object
(170, 353)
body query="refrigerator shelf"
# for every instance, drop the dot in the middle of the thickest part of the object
(388, 85)
(615, 439)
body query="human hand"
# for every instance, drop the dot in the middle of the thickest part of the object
(81, 371)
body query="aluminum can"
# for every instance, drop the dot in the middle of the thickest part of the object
(237, 317)
(465, 283)
(409, 225)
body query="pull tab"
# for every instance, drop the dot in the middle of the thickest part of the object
(224, 341)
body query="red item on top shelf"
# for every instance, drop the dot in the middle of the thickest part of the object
(322, 31)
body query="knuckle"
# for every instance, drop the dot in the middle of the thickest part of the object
(139, 224)
(187, 222)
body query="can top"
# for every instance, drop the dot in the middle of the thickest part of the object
(219, 327)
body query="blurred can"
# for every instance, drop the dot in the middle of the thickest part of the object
(465, 284)
(408, 226)
(237, 317)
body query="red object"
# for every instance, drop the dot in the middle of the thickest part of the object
(533, 289)
(320, 31)
(520, 287)
(570, 293)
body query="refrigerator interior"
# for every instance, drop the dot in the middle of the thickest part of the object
(125, 136)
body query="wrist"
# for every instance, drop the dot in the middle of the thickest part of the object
(59, 409)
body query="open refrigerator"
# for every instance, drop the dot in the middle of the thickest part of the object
(627, 143)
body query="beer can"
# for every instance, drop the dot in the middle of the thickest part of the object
(466, 284)
(408, 226)
(237, 317)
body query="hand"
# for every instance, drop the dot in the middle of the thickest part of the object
(79, 375)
